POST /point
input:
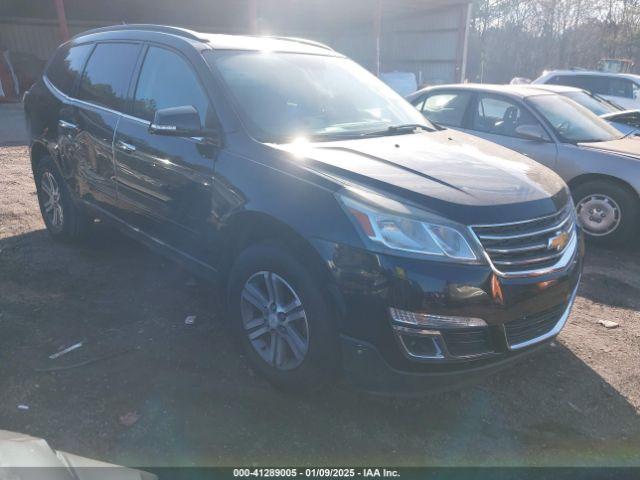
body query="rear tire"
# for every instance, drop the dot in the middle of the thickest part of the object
(64, 220)
(296, 351)
(607, 212)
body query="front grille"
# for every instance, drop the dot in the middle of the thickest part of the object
(533, 326)
(529, 245)
(467, 342)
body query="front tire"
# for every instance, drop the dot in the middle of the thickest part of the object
(64, 220)
(282, 319)
(606, 211)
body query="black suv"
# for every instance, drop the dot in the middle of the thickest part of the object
(355, 238)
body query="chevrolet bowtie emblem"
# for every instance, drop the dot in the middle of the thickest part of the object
(558, 242)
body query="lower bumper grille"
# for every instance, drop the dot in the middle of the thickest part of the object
(468, 342)
(529, 328)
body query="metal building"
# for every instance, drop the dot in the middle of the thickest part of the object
(426, 37)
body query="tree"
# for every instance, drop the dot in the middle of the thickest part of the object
(522, 38)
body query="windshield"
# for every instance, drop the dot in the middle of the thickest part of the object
(572, 122)
(596, 105)
(283, 96)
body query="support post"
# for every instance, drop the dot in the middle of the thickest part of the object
(62, 20)
(465, 19)
(377, 31)
(253, 16)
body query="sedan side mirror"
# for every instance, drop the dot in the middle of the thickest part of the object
(177, 121)
(532, 132)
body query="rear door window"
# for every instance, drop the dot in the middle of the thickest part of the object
(167, 80)
(447, 108)
(591, 83)
(620, 87)
(67, 66)
(500, 116)
(106, 77)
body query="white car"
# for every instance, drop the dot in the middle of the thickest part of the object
(621, 88)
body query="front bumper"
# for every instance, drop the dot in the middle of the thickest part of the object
(521, 314)
(365, 369)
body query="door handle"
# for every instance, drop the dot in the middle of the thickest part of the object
(67, 125)
(125, 147)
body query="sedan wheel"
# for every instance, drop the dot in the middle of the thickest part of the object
(599, 215)
(275, 320)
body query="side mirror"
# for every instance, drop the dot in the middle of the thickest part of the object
(177, 122)
(532, 132)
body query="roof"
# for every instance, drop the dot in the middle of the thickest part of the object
(596, 73)
(230, 16)
(516, 91)
(219, 41)
(555, 88)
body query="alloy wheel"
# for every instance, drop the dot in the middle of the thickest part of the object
(274, 320)
(51, 201)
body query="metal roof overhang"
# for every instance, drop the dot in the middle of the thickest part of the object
(228, 15)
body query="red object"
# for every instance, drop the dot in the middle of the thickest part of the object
(364, 222)
(6, 79)
(62, 20)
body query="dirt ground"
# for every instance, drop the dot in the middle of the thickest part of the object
(190, 399)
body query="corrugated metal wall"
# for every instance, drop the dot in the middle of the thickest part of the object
(39, 38)
(427, 43)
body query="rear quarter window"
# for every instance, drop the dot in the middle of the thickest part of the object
(67, 65)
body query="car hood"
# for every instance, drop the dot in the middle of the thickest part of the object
(628, 147)
(630, 118)
(621, 114)
(441, 171)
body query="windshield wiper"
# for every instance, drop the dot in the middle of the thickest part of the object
(392, 130)
(409, 127)
(398, 130)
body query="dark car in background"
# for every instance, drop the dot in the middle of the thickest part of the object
(600, 164)
(353, 236)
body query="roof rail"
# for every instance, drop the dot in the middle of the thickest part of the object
(181, 32)
(302, 40)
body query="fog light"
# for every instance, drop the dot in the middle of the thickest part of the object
(416, 319)
(421, 347)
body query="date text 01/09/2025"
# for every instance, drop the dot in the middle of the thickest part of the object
(315, 473)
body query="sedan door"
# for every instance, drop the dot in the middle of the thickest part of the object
(496, 118)
(164, 182)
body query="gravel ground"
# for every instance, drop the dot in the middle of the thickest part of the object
(165, 393)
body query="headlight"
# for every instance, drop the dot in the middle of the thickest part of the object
(406, 229)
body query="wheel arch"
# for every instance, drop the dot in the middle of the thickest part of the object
(250, 227)
(589, 177)
(38, 152)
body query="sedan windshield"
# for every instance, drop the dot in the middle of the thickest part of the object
(284, 96)
(573, 123)
(595, 104)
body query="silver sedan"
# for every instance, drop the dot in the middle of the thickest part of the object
(600, 164)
